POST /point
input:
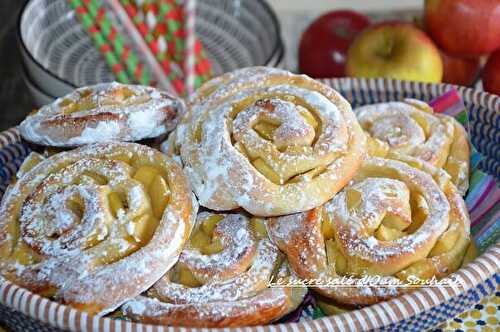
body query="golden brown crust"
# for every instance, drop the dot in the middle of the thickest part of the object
(411, 128)
(268, 141)
(392, 221)
(66, 120)
(104, 112)
(259, 310)
(90, 229)
(447, 258)
(221, 289)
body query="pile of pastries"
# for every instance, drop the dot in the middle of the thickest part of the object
(267, 176)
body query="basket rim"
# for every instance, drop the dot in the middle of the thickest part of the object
(372, 317)
(472, 95)
(473, 275)
(277, 52)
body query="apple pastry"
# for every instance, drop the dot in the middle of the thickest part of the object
(412, 128)
(393, 221)
(221, 279)
(95, 226)
(103, 112)
(268, 141)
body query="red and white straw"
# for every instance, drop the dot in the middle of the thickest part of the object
(160, 77)
(190, 15)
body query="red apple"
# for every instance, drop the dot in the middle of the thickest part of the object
(491, 73)
(394, 50)
(459, 71)
(324, 44)
(464, 27)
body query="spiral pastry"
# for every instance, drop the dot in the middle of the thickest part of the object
(411, 128)
(96, 226)
(221, 279)
(268, 141)
(393, 221)
(103, 112)
(454, 243)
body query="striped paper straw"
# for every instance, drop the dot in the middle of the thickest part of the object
(163, 32)
(134, 67)
(172, 16)
(169, 26)
(190, 14)
(145, 16)
(99, 40)
(111, 43)
(159, 75)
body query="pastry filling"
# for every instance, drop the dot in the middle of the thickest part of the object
(281, 137)
(88, 100)
(392, 212)
(104, 208)
(207, 243)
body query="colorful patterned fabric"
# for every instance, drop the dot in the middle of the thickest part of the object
(484, 192)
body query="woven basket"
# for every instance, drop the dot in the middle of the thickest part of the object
(422, 309)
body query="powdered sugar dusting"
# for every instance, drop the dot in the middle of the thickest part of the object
(89, 255)
(382, 187)
(380, 196)
(219, 151)
(224, 296)
(104, 131)
(263, 308)
(103, 114)
(408, 130)
(239, 249)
